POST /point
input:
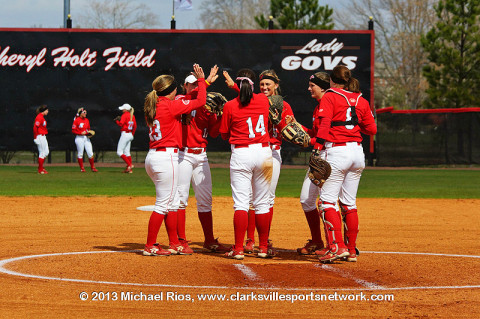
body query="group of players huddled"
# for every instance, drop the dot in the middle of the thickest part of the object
(179, 125)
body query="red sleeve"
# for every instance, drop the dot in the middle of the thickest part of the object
(134, 125)
(35, 128)
(235, 88)
(184, 106)
(367, 124)
(226, 136)
(287, 110)
(322, 133)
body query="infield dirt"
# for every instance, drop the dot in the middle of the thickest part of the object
(433, 283)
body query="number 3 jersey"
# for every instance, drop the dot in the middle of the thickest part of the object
(246, 124)
(343, 116)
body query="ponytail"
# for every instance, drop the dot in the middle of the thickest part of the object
(131, 114)
(353, 85)
(149, 107)
(245, 81)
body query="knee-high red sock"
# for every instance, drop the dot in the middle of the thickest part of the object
(125, 159)
(270, 215)
(80, 162)
(154, 224)
(240, 223)
(181, 221)
(251, 225)
(40, 164)
(92, 162)
(350, 226)
(129, 158)
(333, 225)
(171, 225)
(262, 221)
(313, 219)
(207, 225)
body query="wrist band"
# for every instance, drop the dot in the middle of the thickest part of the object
(208, 83)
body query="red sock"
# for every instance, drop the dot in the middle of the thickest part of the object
(350, 224)
(154, 224)
(80, 162)
(333, 228)
(240, 224)
(262, 221)
(270, 215)
(92, 162)
(125, 159)
(251, 225)
(181, 221)
(207, 225)
(171, 225)
(313, 219)
(129, 160)
(40, 164)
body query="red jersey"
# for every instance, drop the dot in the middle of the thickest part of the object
(127, 125)
(336, 113)
(202, 123)
(80, 125)
(167, 127)
(246, 125)
(274, 131)
(39, 126)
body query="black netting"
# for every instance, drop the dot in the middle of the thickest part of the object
(406, 139)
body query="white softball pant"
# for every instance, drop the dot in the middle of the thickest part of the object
(309, 194)
(162, 167)
(42, 145)
(277, 163)
(83, 143)
(251, 174)
(124, 143)
(195, 168)
(347, 164)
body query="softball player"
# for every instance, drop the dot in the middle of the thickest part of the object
(317, 86)
(245, 123)
(344, 114)
(80, 127)
(269, 85)
(163, 114)
(40, 136)
(193, 163)
(128, 126)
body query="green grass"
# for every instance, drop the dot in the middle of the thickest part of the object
(110, 181)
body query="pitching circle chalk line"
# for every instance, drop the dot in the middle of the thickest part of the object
(14, 273)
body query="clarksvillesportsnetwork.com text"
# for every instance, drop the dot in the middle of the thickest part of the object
(238, 296)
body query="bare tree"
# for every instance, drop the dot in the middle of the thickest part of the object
(399, 56)
(117, 14)
(233, 14)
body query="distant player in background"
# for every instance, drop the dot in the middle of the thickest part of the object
(128, 126)
(163, 116)
(193, 164)
(80, 127)
(343, 114)
(40, 137)
(244, 124)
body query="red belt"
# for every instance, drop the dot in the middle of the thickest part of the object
(275, 147)
(193, 150)
(164, 149)
(343, 144)
(267, 144)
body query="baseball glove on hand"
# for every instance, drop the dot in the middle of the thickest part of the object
(320, 169)
(90, 133)
(276, 109)
(294, 133)
(215, 103)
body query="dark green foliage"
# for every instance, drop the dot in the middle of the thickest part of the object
(298, 15)
(453, 49)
